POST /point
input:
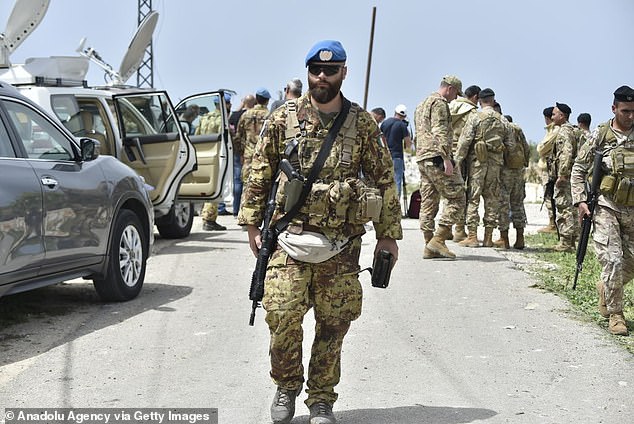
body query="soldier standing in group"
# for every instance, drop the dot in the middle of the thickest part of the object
(249, 128)
(461, 108)
(513, 189)
(563, 156)
(481, 145)
(293, 285)
(434, 137)
(583, 123)
(545, 150)
(614, 214)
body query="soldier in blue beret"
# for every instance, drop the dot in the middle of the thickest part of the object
(301, 274)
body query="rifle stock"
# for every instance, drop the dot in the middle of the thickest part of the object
(586, 224)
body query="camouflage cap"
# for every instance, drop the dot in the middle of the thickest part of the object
(454, 81)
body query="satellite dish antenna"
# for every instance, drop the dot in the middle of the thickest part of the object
(25, 17)
(136, 50)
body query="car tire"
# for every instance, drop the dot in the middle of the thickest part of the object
(178, 222)
(127, 260)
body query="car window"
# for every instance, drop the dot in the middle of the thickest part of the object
(6, 149)
(39, 136)
(146, 114)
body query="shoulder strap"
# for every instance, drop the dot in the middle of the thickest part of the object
(283, 222)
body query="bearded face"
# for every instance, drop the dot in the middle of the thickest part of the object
(324, 88)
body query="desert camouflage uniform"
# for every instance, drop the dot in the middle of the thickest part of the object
(513, 187)
(331, 287)
(563, 157)
(434, 140)
(249, 127)
(460, 109)
(545, 151)
(613, 232)
(483, 177)
(210, 123)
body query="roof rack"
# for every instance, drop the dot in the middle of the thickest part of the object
(59, 82)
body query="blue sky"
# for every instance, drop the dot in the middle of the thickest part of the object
(532, 53)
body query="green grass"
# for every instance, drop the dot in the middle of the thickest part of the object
(560, 280)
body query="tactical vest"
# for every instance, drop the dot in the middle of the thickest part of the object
(331, 204)
(619, 184)
(489, 136)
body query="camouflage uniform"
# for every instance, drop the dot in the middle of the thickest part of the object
(249, 128)
(485, 126)
(433, 141)
(562, 160)
(460, 109)
(545, 151)
(613, 233)
(210, 123)
(513, 186)
(331, 287)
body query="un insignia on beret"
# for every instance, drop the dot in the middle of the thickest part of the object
(325, 55)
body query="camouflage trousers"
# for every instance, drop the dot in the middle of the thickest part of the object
(434, 184)
(333, 290)
(614, 245)
(512, 194)
(567, 223)
(547, 203)
(484, 181)
(209, 212)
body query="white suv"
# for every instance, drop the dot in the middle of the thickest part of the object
(142, 129)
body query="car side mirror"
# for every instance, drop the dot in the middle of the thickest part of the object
(89, 149)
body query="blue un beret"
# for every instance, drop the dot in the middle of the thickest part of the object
(326, 51)
(263, 92)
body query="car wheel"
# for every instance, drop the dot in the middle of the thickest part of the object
(127, 260)
(178, 222)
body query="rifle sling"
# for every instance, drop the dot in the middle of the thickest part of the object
(324, 151)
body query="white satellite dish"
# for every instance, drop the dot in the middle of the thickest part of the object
(136, 50)
(25, 17)
(133, 57)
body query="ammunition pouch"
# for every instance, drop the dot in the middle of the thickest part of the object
(620, 184)
(367, 205)
(481, 152)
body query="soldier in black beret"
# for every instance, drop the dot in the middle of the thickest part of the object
(563, 108)
(612, 218)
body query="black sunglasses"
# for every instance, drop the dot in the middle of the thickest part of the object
(328, 70)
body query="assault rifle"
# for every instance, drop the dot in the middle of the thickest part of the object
(586, 223)
(268, 237)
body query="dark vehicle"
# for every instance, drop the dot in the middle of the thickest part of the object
(65, 211)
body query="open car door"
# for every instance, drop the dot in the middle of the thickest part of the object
(154, 144)
(209, 133)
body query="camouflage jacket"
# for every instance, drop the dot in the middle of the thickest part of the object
(605, 139)
(545, 147)
(460, 109)
(210, 123)
(434, 134)
(249, 127)
(564, 151)
(367, 157)
(489, 127)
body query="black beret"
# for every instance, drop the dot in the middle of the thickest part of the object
(487, 92)
(548, 112)
(564, 108)
(624, 94)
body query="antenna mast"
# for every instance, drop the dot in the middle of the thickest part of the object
(145, 73)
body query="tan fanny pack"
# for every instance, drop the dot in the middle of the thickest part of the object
(310, 247)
